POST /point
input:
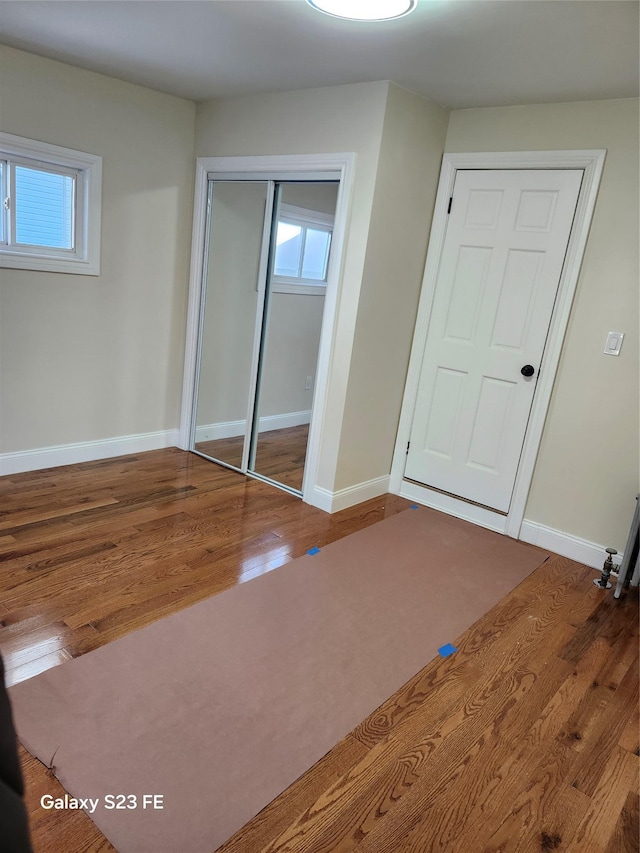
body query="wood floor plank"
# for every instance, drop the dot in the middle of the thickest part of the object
(627, 829)
(545, 814)
(595, 703)
(12, 522)
(607, 802)
(39, 534)
(630, 738)
(604, 738)
(20, 645)
(15, 673)
(591, 627)
(112, 600)
(27, 637)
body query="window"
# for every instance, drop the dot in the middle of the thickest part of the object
(303, 243)
(50, 216)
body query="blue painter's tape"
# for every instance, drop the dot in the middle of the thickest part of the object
(413, 506)
(313, 551)
(446, 650)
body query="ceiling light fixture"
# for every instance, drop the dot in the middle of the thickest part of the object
(365, 10)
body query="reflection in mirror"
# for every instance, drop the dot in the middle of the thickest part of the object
(291, 336)
(228, 325)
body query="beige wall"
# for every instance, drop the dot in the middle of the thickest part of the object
(586, 476)
(315, 121)
(406, 183)
(320, 197)
(92, 357)
(291, 353)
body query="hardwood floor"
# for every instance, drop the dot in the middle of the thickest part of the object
(227, 450)
(526, 739)
(280, 454)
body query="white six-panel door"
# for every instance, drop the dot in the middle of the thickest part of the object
(504, 249)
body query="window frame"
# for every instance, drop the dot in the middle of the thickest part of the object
(302, 216)
(86, 169)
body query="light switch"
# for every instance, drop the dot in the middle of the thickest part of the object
(614, 343)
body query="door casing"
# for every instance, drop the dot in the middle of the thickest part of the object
(592, 162)
(272, 167)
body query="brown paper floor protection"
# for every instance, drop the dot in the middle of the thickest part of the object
(221, 706)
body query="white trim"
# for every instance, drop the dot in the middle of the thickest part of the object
(301, 287)
(352, 495)
(580, 550)
(284, 421)
(193, 306)
(221, 429)
(249, 452)
(592, 163)
(231, 429)
(87, 209)
(340, 164)
(85, 451)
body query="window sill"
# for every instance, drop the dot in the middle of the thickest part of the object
(279, 285)
(42, 263)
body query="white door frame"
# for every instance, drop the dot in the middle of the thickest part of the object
(282, 167)
(592, 163)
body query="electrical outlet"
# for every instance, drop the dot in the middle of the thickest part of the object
(307, 384)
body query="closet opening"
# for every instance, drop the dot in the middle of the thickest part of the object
(268, 254)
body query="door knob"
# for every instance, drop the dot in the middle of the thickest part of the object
(527, 370)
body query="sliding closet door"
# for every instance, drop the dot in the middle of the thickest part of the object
(294, 308)
(232, 305)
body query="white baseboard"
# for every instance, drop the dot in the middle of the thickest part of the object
(580, 550)
(352, 495)
(224, 429)
(85, 451)
(289, 419)
(229, 429)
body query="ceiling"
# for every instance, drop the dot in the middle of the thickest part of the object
(458, 53)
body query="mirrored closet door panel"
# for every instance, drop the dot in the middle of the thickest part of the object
(299, 260)
(231, 297)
